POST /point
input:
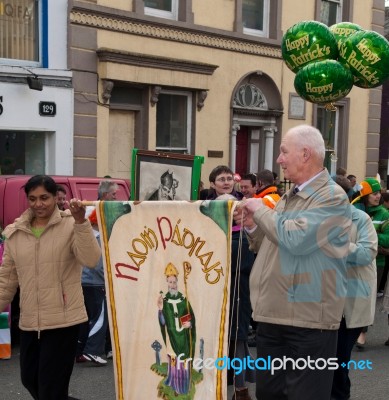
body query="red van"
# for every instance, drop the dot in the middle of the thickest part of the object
(13, 199)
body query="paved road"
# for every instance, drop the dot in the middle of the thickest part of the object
(90, 382)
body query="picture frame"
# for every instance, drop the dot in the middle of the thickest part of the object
(296, 107)
(156, 175)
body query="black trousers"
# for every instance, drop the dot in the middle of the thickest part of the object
(299, 345)
(346, 339)
(46, 364)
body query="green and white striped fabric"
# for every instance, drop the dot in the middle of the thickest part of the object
(5, 336)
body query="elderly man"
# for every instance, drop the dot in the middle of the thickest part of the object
(298, 281)
(107, 190)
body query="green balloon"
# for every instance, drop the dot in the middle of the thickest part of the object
(343, 30)
(366, 53)
(306, 42)
(323, 82)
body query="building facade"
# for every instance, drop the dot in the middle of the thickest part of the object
(190, 76)
(207, 78)
(36, 93)
(384, 128)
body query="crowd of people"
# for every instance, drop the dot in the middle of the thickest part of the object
(292, 318)
(308, 264)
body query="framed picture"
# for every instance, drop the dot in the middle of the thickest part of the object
(296, 106)
(165, 176)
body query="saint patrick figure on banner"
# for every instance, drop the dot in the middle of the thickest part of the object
(178, 328)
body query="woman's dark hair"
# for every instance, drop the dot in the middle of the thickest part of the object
(385, 196)
(365, 200)
(41, 180)
(220, 169)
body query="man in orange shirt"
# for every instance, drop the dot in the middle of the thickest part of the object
(267, 191)
(248, 185)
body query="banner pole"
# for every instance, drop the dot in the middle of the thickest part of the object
(89, 202)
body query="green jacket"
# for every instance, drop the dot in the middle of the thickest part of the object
(380, 217)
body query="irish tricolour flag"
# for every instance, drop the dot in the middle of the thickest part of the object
(5, 335)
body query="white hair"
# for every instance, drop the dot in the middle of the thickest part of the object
(311, 137)
(105, 187)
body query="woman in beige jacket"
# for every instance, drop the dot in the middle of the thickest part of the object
(45, 250)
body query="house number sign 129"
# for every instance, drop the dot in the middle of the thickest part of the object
(47, 108)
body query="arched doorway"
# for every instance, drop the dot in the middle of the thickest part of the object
(256, 120)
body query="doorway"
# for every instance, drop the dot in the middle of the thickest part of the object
(242, 151)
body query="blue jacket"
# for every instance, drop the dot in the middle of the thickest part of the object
(95, 276)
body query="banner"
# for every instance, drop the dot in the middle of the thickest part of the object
(167, 271)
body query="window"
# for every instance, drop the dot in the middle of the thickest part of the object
(331, 12)
(126, 95)
(174, 120)
(22, 153)
(334, 127)
(255, 17)
(162, 8)
(21, 25)
(327, 123)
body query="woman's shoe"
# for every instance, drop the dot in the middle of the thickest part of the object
(386, 343)
(360, 346)
(361, 341)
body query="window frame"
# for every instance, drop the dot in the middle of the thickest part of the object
(342, 129)
(339, 6)
(189, 106)
(274, 21)
(346, 10)
(155, 12)
(42, 31)
(266, 17)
